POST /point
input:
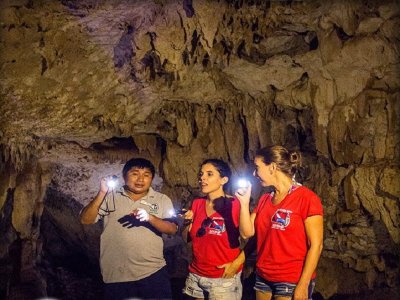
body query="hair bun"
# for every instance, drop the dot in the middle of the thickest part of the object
(295, 159)
(288, 162)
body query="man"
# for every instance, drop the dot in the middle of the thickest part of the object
(131, 245)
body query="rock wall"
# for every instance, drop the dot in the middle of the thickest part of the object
(86, 85)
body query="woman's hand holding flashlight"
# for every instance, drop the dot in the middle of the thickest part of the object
(243, 193)
(188, 217)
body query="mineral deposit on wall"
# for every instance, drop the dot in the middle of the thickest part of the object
(85, 85)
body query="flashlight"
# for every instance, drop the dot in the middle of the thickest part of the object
(181, 211)
(112, 182)
(176, 212)
(242, 183)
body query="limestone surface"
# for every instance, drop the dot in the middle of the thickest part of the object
(86, 85)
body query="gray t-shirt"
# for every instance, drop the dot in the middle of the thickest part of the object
(134, 251)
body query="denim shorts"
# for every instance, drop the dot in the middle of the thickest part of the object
(283, 289)
(198, 286)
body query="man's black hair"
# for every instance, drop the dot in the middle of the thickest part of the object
(140, 163)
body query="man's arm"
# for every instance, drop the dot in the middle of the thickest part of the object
(162, 225)
(90, 211)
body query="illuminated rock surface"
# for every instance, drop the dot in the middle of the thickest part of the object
(86, 85)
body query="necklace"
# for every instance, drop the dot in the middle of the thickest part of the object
(293, 187)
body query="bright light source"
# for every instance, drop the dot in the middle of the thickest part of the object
(242, 183)
(112, 182)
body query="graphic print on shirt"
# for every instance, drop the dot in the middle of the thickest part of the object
(217, 226)
(281, 219)
(154, 208)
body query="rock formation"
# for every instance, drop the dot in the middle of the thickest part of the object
(86, 85)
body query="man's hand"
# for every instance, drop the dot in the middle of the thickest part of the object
(141, 214)
(103, 185)
(89, 213)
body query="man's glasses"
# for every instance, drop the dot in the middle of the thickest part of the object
(202, 230)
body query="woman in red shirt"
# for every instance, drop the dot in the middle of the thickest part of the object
(214, 272)
(288, 226)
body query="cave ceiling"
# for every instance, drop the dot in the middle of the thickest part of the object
(86, 71)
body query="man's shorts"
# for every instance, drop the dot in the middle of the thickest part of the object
(213, 288)
(283, 289)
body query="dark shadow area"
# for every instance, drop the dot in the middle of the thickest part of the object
(223, 206)
(130, 221)
(7, 237)
(69, 272)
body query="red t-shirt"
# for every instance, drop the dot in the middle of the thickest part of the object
(216, 240)
(282, 243)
